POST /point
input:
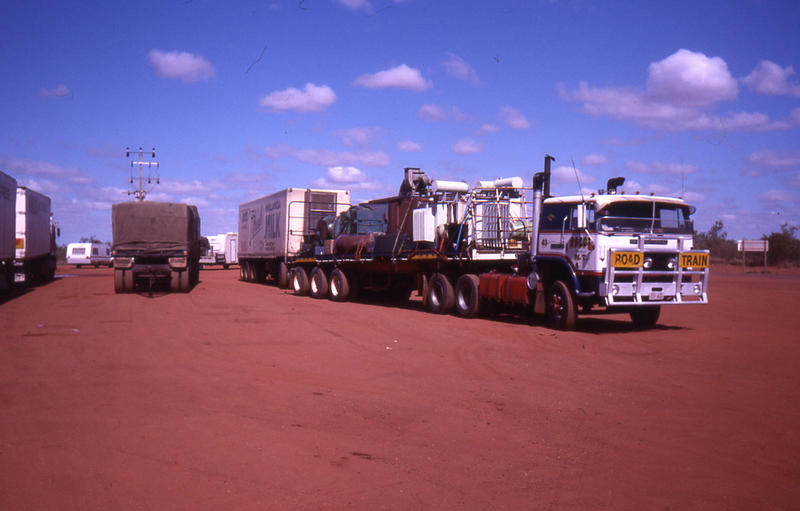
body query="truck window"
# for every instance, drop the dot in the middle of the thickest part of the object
(645, 217)
(553, 216)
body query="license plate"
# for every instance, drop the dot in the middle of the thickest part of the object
(694, 260)
(19, 277)
(656, 295)
(627, 259)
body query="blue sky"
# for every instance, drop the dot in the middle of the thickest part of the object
(241, 99)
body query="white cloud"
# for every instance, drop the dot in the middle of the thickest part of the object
(679, 89)
(181, 65)
(514, 118)
(774, 159)
(660, 168)
(690, 78)
(467, 146)
(356, 136)
(487, 128)
(23, 166)
(594, 159)
(59, 92)
(770, 78)
(566, 175)
(347, 177)
(408, 146)
(313, 98)
(356, 4)
(400, 77)
(328, 158)
(457, 67)
(430, 112)
(776, 196)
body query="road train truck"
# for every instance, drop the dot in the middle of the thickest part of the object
(492, 247)
(8, 200)
(35, 243)
(275, 229)
(155, 242)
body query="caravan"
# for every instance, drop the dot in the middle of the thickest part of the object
(94, 254)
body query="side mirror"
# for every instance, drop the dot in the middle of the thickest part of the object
(581, 216)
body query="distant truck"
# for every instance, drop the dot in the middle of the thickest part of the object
(222, 250)
(155, 241)
(8, 200)
(85, 254)
(35, 244)
(274, 229)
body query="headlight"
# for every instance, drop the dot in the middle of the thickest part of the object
(648, 263)
(614, 290)
(123, 262)
(698, 289)
(177, 262)
(672, 263)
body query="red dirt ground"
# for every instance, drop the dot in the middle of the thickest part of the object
(242, 396)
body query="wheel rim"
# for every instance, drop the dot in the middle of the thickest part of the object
(557, 304)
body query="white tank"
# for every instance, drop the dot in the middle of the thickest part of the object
(449, 186)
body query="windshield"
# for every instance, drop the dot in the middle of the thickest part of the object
(647, 217)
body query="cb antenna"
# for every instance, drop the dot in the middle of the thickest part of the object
(578, 179)
(141, 193)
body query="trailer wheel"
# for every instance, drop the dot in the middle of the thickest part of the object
(299, 281)
(242, 266)
(561, 309)
(441, 297)
(339, 286)
(318, 285)
(645, 317)
(468, 301)
(119, 281)
(127, 280)
(283, 276)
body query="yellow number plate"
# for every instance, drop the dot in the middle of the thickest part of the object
(694, 260)
(627, 259)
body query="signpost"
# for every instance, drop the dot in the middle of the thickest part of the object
(745, 246)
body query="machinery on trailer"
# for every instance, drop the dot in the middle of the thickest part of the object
(274, 230)
(35, 244)
(155, 241)
(8, 200)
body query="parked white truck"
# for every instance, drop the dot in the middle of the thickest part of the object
(274, 229)
(85, 254)
(35, 245)
(222, 250)
(8, 201)
(490, 247)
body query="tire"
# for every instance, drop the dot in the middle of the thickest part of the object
(127, 280)
(561, 309)
(318, 283)
(339, 287)
(299, 281)
(468, 300)
(119, 281)
(241, 271)
(283, 276)
(645, 317)
(177, 283)
(441, 297)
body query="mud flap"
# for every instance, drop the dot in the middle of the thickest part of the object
(538, 302)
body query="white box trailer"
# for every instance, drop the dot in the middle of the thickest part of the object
(95, 254)
(8, 201)
(279, 227)
(223, 250)
(35, 249)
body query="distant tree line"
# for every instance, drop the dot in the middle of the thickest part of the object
(784, 246)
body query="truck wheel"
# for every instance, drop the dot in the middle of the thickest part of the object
(318, 285)
(561, 309)
(127, 280)
(177, 283)
(645, 317)
(283, 276)
(441, 297)
(339, 286)
(468, 301)
(299, 281)
(119, 281)
(241, 271)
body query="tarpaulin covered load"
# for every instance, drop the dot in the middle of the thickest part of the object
(155, 226)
